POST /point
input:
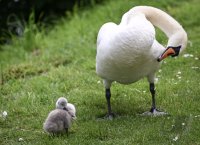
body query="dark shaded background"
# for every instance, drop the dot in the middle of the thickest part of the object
(15, 13)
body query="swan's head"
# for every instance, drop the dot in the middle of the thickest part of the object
(170, 51)
(61, 103)
(176, 44)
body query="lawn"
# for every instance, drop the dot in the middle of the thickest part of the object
(58, 61)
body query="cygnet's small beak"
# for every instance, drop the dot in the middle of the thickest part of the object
(170, 51)
(65, 109)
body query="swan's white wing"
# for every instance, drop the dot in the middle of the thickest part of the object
(105, 32)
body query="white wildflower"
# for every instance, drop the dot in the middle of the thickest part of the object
(156, 80)
(98, 82)
(195, 67)
(179, 77)
(196, 58)
(4, 114)
(175, 139)
(179, 72)
(183, 124)
(20, 139)
(159, 70)
(186, 55)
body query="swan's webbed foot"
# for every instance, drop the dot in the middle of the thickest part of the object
(154, 112)
(110, 116)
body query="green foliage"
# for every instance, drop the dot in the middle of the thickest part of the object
(40, 67)
(32, 36)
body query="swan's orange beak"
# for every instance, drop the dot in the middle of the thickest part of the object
(170, 51)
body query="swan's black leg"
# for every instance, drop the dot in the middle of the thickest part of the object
(153, 92)
(108, 96)
(154, 111)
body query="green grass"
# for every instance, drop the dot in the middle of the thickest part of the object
(42, 66)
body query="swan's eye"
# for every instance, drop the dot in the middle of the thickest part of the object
(176, 50)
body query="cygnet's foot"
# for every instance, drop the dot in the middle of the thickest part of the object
(154, 112)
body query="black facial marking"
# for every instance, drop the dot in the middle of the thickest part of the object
(176, 49)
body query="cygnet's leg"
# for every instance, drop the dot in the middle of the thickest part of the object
(67, 131)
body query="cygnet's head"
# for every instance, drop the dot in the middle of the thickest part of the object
(61, 103)
(71, 110)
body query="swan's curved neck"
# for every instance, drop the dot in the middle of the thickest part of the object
(165, 22)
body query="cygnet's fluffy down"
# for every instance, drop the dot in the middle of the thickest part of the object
(58, 121)
(62, 103)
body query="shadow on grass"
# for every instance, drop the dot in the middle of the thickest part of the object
(30, 69)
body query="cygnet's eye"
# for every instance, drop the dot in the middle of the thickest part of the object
(62, 104)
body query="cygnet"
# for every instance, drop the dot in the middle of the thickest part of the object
(58, 120)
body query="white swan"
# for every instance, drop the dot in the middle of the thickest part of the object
(129, 51)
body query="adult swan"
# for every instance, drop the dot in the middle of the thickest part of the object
(129, 51)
